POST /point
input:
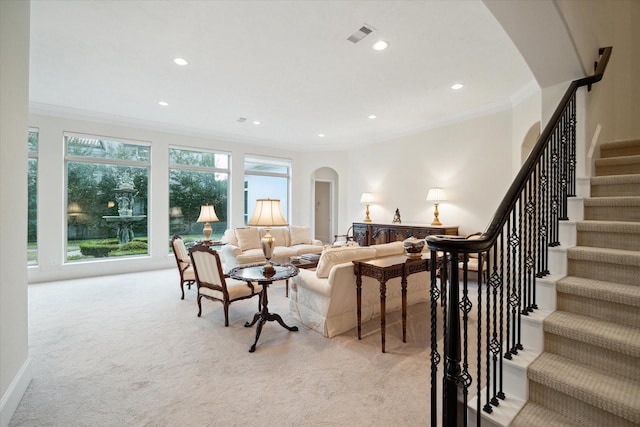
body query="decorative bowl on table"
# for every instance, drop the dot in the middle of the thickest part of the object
(413, 247)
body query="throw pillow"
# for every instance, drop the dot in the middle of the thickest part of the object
(300, 235)
(280, 236)
(229, 237)
(248, 238)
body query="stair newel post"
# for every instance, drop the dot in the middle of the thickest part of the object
(435, 356)
(452, 348)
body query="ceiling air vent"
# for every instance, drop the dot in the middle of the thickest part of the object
(363, 32)
(241, 120)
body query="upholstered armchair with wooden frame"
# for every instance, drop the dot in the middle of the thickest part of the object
(343, 239)
(187, 274)
(213, 284)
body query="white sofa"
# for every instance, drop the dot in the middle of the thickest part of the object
(325, 299)
(242, 245)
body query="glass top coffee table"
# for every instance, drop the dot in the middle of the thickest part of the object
(255, 273)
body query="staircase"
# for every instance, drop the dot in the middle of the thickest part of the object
(589, 371)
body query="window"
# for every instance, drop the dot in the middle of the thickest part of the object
(107, 197)
(197, 178)
(266, 178)
(32, 196)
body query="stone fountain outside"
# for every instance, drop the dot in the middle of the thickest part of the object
(125, 195)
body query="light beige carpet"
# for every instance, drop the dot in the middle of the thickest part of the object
(126, 351)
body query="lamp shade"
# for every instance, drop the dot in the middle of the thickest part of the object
(367, 198)
(207, 214)
(436, 194)
(267, 214)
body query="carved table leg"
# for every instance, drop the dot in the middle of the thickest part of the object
(383, 309)
(403, 283)
(264, 316)
(359, 302)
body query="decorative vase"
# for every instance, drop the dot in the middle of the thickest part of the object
(413, 247)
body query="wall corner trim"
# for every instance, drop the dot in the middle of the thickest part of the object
(11, 399)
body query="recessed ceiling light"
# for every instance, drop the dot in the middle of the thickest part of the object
(372, 116)
(457, 86)
(321, 135)
(180, 61)
(256, 122)
(163, 103)
(380, 45)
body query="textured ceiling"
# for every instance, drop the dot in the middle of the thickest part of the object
(287, 64)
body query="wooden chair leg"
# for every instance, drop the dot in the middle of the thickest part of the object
(226, 314)
(199, 305)
(182, 289)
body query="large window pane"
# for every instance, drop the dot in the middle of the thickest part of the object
(197, 178)
(107, 198)
(266, 178)
(32, 195)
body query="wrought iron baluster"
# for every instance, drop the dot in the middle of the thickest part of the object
(465, 307)
(497, 249)
(452, 348)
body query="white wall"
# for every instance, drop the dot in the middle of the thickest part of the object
(15, 374)
(613, 103)
(471, 160)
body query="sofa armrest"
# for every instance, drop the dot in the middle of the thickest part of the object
(317, 242)
(230, 255)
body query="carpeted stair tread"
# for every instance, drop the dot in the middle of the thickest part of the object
(618, 161)
(613, 336)
(621, 165)
(620, 148)
(615, 179)
(623, 235)
(619, 293)
(604, 255)
(613, 393)
(615, 185)
(615, 201)
(533, 414)
(626, 227)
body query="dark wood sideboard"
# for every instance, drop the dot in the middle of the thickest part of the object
(369, 233)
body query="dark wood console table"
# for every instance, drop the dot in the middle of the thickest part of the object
(369, 233)
(383, 269)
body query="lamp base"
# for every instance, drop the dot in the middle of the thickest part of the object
(436, 221)
(366, 218)
(268, 270)
(207, 230)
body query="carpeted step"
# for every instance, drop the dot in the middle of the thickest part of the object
(584, 394)
(533, 414)
(620, 148)
(618, 165)
(612, 265)
(615, 185)
(607, 346)
(614, 302)
(609, 234)
(612, 208)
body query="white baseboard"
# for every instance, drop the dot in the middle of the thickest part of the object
(11, 399)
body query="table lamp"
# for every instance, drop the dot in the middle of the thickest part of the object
(367, 198)
(267, 214)
(207, 215)
(436, 195)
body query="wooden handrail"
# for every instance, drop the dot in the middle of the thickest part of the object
(488, 238)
